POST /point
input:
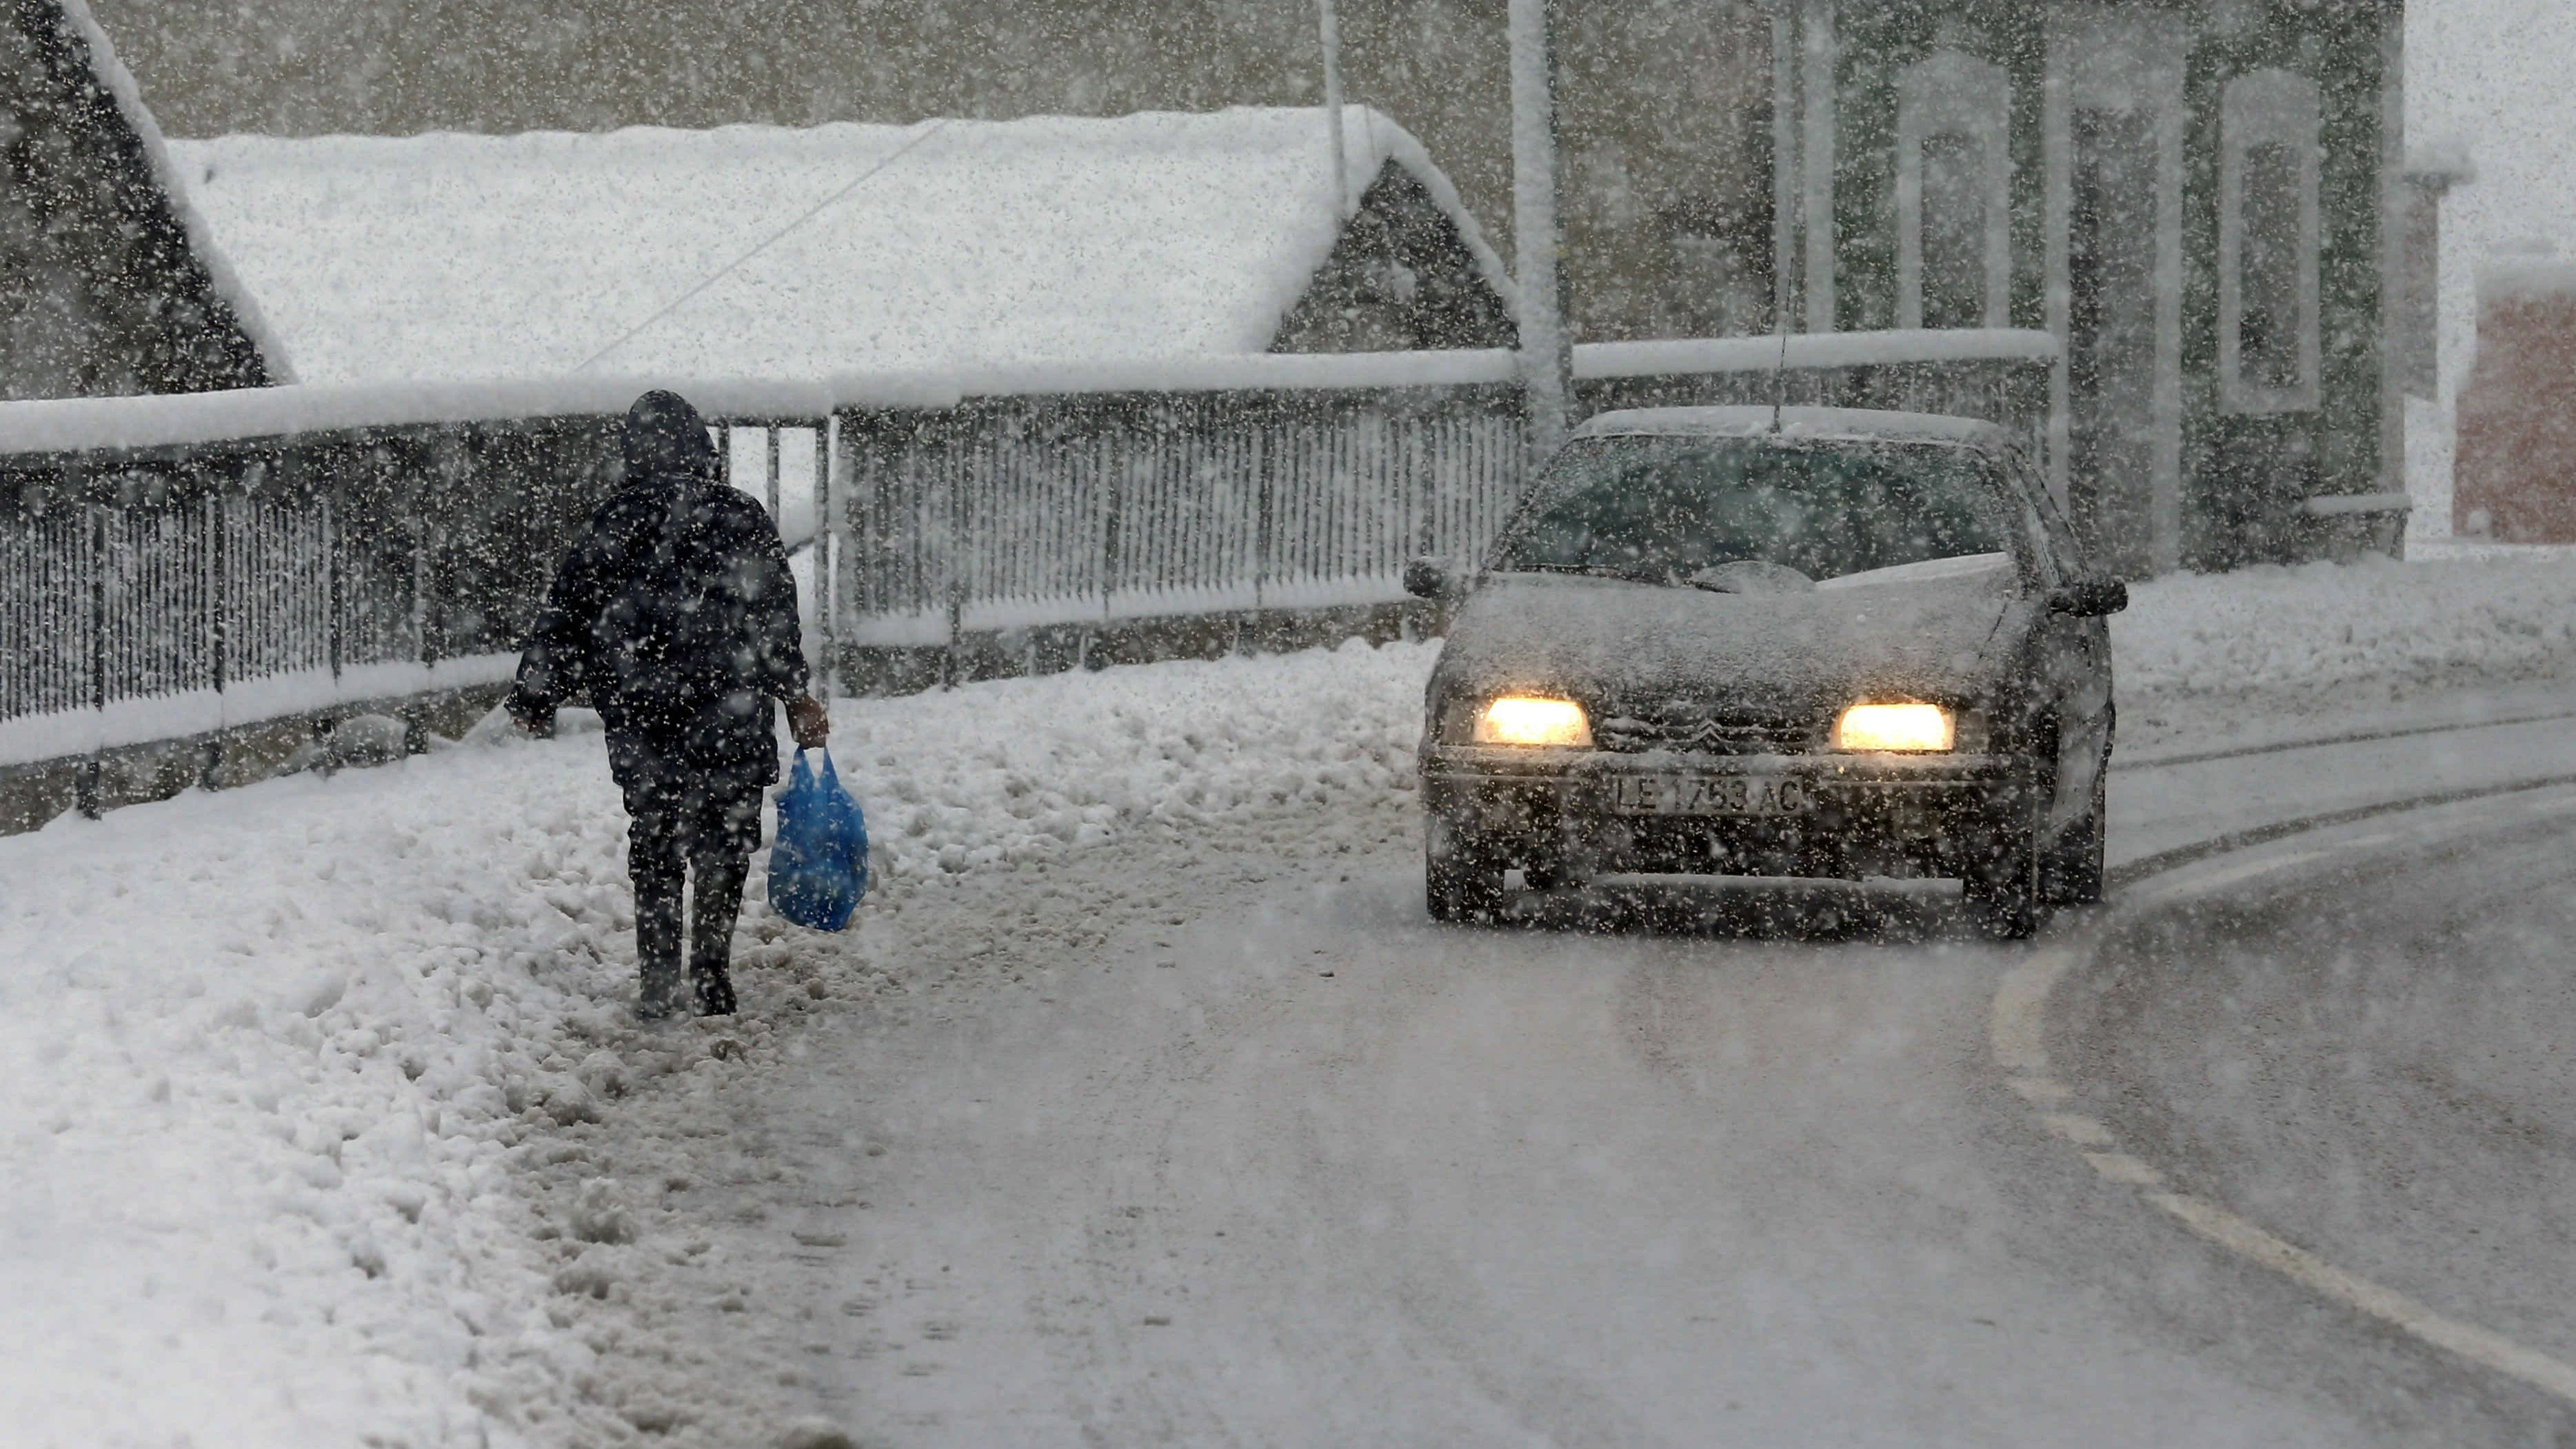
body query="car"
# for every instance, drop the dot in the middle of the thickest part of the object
(1767, 642)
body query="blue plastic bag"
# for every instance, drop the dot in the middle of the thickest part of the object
(818, 867)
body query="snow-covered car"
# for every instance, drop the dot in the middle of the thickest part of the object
(1774, 642)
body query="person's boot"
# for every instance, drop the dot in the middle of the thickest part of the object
(718, 899)
(659, 999)
(713, 989)
(657, 940)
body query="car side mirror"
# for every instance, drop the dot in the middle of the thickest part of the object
(1429, 578)
(2089, 598)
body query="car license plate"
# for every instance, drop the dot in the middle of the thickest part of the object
(1709, 795)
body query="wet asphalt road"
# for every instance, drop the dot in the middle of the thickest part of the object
(1338, 1176)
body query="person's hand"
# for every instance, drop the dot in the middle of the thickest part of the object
(810, 721)
(534, 717)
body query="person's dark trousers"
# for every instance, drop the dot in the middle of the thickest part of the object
(688, 825)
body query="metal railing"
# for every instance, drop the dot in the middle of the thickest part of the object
(166, 591)
(1007, 513)
(1276, 484)
(173, 568)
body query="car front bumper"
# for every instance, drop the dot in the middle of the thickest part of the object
(1580, 813)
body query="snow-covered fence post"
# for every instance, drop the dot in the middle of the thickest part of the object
(1265, 505)
(1547, 350)
(86, 780)
(218, 574)
(334, 582)
(770, 432)
(420, 547)
(216, 513)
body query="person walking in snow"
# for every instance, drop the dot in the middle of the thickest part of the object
(675, 615)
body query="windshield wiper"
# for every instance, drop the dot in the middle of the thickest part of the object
(1656, 577)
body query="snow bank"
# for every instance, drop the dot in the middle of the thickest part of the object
(272, 1059)
(1017, 769)
(2318, 644)
(756, 251)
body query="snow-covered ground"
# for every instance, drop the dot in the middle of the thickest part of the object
(327, 1107)
(2305, 650)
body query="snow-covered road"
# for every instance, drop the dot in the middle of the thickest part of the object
(2368, 1056)
(1343, 1177)
(1143, 1103)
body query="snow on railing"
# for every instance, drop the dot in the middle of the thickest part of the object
(179, 566)
(161, 589)
(1094, 497)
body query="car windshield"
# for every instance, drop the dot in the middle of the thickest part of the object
(1661, 509)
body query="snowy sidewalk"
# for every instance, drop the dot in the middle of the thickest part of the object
(308, 1077)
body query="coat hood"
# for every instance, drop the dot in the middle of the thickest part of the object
(666, 444)
(1929, 631)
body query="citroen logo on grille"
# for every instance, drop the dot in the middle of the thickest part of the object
(1708, 733)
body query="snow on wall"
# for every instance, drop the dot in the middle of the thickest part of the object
(151, 719)
(755, 251)
(111, 73)
(2506, 277)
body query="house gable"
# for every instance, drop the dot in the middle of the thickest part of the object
(1400, 277)
(102, 289)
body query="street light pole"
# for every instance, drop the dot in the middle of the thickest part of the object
(1547, 350)
(1331, 25)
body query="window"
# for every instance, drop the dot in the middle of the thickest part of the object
(1658, 510)
(1953, 270)
(1953, 183)
(2268, 324)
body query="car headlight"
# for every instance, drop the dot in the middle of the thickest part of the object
(1522, 719)
(1913, 728)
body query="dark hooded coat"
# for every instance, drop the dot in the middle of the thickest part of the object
(674, 614)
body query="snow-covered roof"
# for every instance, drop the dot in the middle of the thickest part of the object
(754, 251)
(119, 81)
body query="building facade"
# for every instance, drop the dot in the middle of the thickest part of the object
(2192, 197)
(2198, 197)
(2514, 475)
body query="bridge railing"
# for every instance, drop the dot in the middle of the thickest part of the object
(180, 569)
(172, 569)
(1031, 520)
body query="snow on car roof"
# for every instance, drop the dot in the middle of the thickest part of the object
(761, 251)
(1742, 421)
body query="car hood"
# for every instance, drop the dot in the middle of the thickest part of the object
(1929, 631)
